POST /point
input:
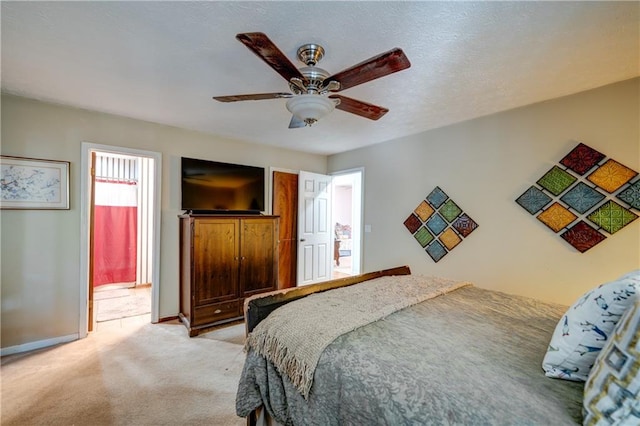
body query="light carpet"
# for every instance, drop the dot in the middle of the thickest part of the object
(152, 374)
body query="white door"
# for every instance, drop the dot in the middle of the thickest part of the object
(314, 228)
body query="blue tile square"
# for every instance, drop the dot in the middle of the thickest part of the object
(533, 200)
(582, 197)
(631, 195)
(436, 224)
(437, 197)
(436, 251)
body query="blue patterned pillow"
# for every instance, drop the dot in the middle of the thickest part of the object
(586, 326)
(612, 391)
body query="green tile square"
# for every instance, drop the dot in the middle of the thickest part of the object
(450, 210)
(612, 217)
(423, 236)
(556, 180)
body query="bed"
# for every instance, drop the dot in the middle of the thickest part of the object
(463, 355)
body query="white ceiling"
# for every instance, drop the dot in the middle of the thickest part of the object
(163, 61)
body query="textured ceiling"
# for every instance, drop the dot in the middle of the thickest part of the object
(163, 61)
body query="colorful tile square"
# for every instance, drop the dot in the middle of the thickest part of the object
(581, 159)
(450, 210)
(611, 176)
(557, 217)
(436, 251)
(437, 197)
(450, 239)
(424, 211)
(412, 223)
(423, 236)
(582, 236)
(631, 195)
(533, 200)
(464, 225)
(556, 180)
(582, 197)
(436, 224)
(612, 217)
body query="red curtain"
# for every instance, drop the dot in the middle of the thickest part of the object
(115, 232)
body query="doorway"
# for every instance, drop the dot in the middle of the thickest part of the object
(120, 225)
(347, 219)
(348, 210)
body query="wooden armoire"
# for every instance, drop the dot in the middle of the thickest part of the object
(223, 260)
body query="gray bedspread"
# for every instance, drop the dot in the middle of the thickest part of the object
(471, 357)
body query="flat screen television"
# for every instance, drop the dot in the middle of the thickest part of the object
(214, 187)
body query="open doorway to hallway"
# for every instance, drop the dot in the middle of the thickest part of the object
(347, 218)
(120, 223)
(121, 226)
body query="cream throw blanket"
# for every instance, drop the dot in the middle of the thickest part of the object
(293, 336)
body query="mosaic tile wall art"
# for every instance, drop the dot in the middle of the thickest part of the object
(584, 198)
(438, 224)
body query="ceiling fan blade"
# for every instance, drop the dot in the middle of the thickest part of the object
(363, 109)
(296, 123)
(383, 64)
(254, 97)
(266, 50)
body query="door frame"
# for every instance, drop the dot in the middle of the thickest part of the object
(85, 218)
(360, 243)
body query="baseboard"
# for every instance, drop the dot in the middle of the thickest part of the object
(171, 318)
(26, 347)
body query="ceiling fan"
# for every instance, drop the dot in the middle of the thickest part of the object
(313, 88)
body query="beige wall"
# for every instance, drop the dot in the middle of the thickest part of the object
(484, 165)
(41, 249)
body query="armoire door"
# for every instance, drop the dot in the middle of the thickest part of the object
(258, 267)
(216, 251)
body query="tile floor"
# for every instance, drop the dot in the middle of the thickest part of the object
(121, 307)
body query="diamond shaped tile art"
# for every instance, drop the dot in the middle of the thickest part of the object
(423, 236)
(533, 200)
(436, 224)
(436, 251)
(450, 210)
(556, 180)
(437, 197)
(631, 195)
(576, 197)
(612, 217)
(424, 211)
(582, 197)
(412, 223)
(464, 225)
(450, 239)
(557, 217)
(581, 159)
(611, 176)
(582, 236)
(439, 224)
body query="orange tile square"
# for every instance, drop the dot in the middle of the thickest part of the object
(611, 176)
(450, 239)
(557, 217)
(424, 211)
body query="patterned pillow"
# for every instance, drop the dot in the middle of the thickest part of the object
(585, 327)
(612, 391)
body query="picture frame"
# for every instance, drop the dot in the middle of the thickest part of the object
(31, 183)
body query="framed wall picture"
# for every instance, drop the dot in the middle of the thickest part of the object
(29, 183)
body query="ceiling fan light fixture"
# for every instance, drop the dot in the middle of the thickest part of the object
(310, 108)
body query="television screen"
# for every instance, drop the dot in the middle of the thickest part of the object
(210, 186)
